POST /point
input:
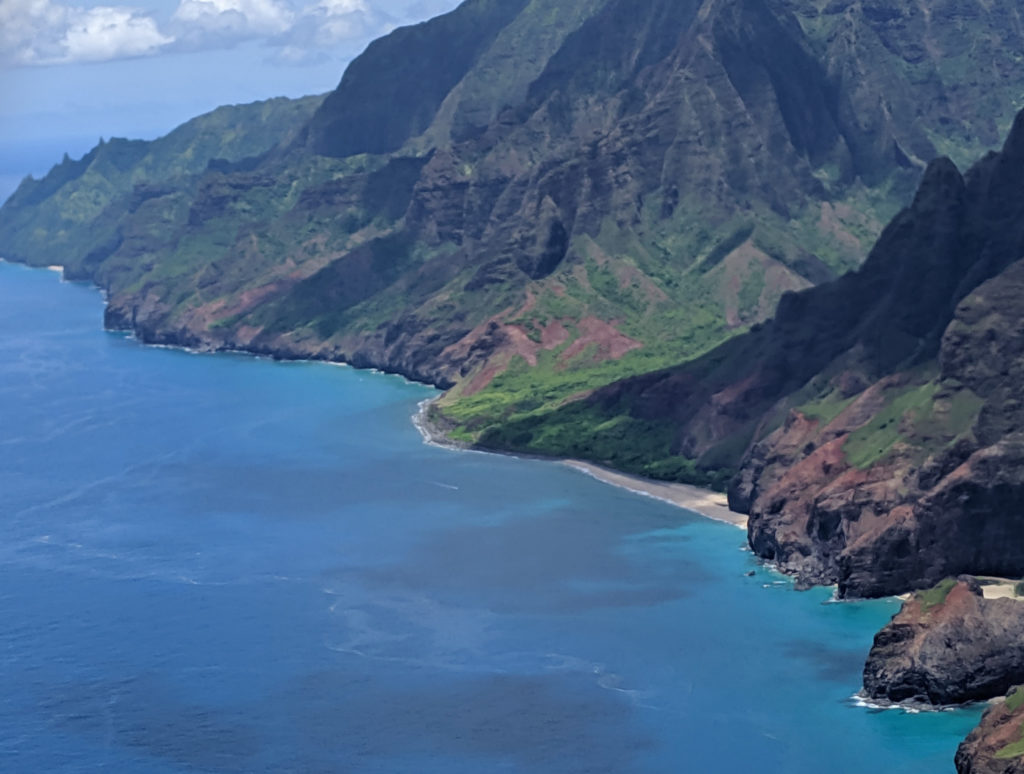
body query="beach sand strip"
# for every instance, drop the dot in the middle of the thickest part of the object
(713, 505)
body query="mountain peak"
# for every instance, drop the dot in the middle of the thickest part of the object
(941, 182)
(1015, 141)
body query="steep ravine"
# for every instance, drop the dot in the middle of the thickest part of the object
(878, 413)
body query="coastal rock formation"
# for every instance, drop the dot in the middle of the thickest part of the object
(996, 746)
(929, 482)
(948, 645)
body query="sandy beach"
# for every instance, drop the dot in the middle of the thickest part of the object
(1000, 588)
(713, 505)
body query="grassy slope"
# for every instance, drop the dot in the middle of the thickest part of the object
(1016, 749)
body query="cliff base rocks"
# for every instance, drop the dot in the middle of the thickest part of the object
(996, 746)
(948, 645)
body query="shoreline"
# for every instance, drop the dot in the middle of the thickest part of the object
(708, 503)
(705, 502)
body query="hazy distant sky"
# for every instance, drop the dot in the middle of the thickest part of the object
(72, 71)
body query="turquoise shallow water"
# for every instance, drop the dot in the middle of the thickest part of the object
(223, 564)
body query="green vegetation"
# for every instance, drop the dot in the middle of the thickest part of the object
(753, 287)
(522, 392)
(919, 417)
(934, 597)
(1015, 749)
(525, 409)
(825, 409)
(947, 417)
(633, 445)
(1015, 699)
(77, 213)
(722, 248)
(875, 440)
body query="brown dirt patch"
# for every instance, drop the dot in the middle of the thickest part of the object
(554, 335)
(610, 342)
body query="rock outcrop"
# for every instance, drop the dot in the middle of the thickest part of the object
(996, 746)
(948, 645)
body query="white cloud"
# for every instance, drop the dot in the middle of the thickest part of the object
(112, 33)
(209, 23)
(46, 32)
(327, 24)
(34, 32)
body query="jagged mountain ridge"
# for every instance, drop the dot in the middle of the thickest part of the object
(874, 420)
(81, 213)
(591, 189)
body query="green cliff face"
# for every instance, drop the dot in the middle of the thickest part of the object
(528, 200)
(77, 214)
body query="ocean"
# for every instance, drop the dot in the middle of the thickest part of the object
(217, 563)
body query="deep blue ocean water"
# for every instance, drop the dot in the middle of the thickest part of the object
(213, 563)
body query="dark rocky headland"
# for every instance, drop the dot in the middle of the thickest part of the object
(948, 645)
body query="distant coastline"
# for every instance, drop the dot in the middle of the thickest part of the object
(710, 504)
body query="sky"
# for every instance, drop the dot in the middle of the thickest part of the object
(73, 72)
